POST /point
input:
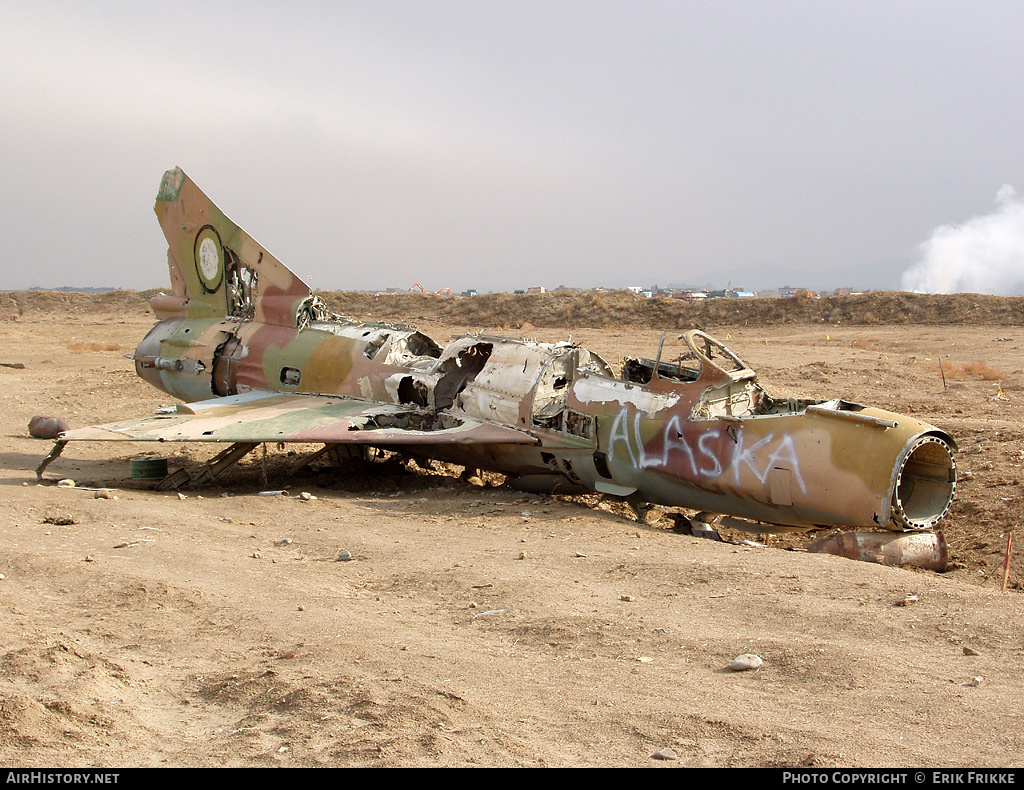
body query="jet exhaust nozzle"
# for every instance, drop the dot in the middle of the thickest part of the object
(925, 483)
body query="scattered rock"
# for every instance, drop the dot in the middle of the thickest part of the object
(67, 482)
(305, 496)
(665, 754)
(651, 514)
(42, 427)
(344, 556)
(103, 493)
(745, 662)
(907, 600)
(60, 521)
(969, 651)
(283, 542)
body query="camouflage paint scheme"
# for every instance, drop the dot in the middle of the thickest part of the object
(258, 358)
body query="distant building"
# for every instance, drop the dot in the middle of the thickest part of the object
(536, 289)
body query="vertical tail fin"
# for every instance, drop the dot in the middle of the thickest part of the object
(216, 268)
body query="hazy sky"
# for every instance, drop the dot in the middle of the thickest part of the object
(499, 145)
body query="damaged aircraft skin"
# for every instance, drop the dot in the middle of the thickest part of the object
(257, 357)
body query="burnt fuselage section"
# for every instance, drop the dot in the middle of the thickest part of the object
(693, 430)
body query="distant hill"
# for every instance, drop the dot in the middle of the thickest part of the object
(589, 309)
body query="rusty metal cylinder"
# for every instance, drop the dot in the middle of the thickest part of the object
(147, 468)
(920, 549)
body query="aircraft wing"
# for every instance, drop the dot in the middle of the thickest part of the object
(285, 417)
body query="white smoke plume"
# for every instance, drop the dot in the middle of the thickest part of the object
(983, 255)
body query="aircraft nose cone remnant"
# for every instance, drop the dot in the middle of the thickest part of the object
(44, 427)
(258, 358)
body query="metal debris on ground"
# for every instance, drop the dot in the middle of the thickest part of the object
(920, 549)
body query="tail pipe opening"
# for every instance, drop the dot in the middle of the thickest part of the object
(925, 483)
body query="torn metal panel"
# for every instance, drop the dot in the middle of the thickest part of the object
(258, 358)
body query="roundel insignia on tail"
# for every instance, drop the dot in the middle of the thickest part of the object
(209, 255)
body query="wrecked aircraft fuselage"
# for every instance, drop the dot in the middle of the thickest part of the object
(258, 358)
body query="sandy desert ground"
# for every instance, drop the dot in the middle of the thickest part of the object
(483, 626)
